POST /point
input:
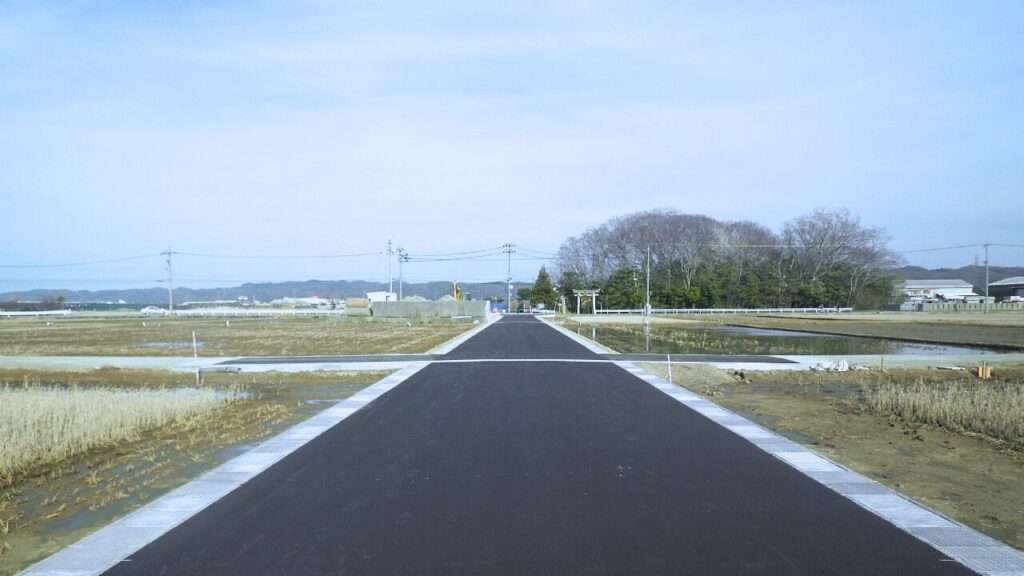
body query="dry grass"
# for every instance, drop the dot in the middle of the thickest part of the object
(995, 410)
(43, 425)
(218, 337)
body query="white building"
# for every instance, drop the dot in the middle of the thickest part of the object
(310, 302)
(938, 289)
(382, 296)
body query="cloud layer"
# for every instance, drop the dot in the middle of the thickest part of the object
(283, 128)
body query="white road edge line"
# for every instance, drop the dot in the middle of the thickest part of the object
(971, 548)
(103, 549)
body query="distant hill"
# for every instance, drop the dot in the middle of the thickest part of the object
(973, 274)
(264, 292)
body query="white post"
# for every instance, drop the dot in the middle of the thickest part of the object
(577, 304)
(195, 355)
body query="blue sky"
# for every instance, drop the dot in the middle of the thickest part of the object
(266, 128)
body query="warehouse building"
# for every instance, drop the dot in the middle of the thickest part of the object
(1008, 289)
(920, 290)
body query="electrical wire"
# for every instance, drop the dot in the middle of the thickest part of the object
(87, 263)
(940, 249)
(304, 257)
(496, 248)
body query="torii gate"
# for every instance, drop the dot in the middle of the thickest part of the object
(591, 293)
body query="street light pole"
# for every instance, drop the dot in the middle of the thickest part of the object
(401, 258)
(647, 305)
(391, 285)
(170, 279)
(509, 248)
(986, 278)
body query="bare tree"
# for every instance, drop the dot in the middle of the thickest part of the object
(827, 246)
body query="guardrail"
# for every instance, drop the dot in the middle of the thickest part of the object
(36, 314)
(730, 311)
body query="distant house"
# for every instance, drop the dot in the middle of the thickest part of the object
(920, 290)
(310, 302)
(1009, 289)
(382, 296)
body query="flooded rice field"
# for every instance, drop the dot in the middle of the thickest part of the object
(741, 340)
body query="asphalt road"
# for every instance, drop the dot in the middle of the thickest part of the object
(532, 468)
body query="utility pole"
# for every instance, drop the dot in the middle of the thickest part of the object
(402, 257)
(391, 286)
(170, 278)
(509, 248)
(647, 306)
(986, 278)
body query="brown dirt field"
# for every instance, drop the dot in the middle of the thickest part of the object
(1005, 330)
(217, 337)
(976, 480)
(57, 504)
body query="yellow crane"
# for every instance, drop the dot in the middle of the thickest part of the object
(457, 292)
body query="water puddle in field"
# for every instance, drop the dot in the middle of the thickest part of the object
(741, 340)
(172, 344)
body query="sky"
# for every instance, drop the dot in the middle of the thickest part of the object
(326, 128)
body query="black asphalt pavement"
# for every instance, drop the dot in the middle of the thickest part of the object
(513, 468)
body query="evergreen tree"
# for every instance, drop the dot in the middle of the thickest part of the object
(543, 290)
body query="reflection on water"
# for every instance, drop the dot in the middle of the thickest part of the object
(739, 340)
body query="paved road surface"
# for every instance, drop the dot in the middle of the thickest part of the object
(532, 468)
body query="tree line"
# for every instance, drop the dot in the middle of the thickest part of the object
(823, 258)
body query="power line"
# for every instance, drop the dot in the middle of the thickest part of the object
(290, 257)
(940, 249)
(539, 252)
(86, 263)
(478, 258)
(496, 248)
